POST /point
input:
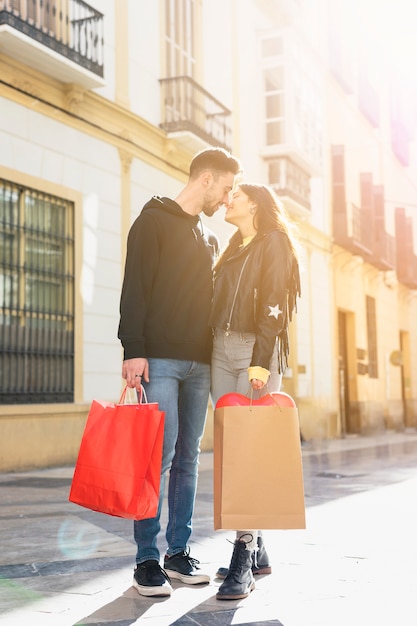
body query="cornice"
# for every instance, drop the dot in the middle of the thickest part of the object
(95, 115)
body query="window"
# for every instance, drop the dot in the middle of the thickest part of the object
(179, 59)
(36, 297)
(339, 206)
(179, 38)
(372, 342)
(288, 178)
(292, 97)
(274, 104)
(272, 47)
(306, 98)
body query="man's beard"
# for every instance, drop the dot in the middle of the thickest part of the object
(209, 210)
(210, 205)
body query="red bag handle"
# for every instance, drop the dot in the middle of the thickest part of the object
(279, 398)
(141, 398)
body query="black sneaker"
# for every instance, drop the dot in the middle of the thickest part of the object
(185, 568)
(151, 580)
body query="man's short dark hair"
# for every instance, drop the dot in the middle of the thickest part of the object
(215, 159)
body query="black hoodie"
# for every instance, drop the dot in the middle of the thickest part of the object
(167, 286)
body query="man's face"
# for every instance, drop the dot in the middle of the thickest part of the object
(218, 193)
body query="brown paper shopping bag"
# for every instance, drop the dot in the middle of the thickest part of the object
(258, 475)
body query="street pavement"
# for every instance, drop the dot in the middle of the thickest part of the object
(354, 565)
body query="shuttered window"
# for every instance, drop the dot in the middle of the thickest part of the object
(372, 337)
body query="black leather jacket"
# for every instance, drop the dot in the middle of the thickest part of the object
(255, 291)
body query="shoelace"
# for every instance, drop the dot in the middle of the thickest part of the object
(238, 556)
(193, 562)
(157, 569)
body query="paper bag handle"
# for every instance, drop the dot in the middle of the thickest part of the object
(140, 397)
(269, 393)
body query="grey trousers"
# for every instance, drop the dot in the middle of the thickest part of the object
(231, 357)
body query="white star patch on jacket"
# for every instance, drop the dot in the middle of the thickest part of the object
(274, 311)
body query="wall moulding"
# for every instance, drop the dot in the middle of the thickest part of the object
(91, 113)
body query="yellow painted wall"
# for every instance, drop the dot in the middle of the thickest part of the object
(40, 435)
(36, 436)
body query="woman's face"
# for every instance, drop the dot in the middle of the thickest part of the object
(238, 210)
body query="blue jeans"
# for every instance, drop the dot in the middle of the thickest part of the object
(181, 389)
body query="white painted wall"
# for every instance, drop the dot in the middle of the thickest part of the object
(53, 152)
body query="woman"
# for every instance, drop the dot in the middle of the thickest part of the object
(256, 284)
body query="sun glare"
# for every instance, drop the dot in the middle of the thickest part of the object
(390, 26)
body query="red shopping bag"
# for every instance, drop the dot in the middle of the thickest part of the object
(119, 461)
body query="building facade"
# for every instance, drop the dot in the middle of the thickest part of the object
(104, 105)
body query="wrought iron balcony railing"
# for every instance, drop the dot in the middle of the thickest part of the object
(72, 29)
(187, 107)
(383, 249)
(353, 230)
(290, 182)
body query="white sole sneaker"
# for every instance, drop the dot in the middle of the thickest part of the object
(159, 590)
(188, 579)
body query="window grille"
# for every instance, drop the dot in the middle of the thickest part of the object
(36, 297)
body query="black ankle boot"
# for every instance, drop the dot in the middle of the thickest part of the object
(260, 561)
(239, 581)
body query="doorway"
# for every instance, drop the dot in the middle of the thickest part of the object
(349, 417)
(405, 365)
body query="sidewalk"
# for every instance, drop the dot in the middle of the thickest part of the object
(355, 564)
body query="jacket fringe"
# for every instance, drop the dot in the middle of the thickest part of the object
(293, 292)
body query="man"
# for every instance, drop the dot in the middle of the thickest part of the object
(164, 310)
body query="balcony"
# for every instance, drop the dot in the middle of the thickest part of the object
(193, 115)
(291, 183)
(358, 231)
(407, 268)
(61, 39)
(361, 230)
(406, 258)
(353, 230)
(383, 252)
